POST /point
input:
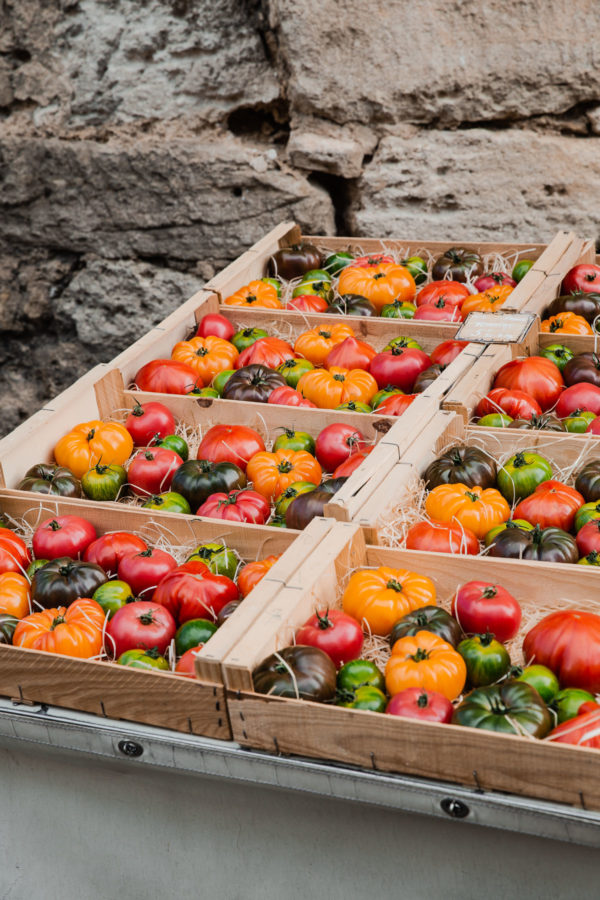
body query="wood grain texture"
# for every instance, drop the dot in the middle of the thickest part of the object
(477, 381)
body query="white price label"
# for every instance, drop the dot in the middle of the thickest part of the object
(495, 328)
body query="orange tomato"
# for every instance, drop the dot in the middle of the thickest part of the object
(381, 596)
(15, 595)
(330, 388)
(425, 660)
(251, 574)
(474, 508)
(486, 301)
(316, 343)
(566, 323)
(76, 631)
(272, 473)
(380, 284)
(92, 442)
(257, 293)
(207, 356)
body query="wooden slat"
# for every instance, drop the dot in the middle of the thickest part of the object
(477, 381)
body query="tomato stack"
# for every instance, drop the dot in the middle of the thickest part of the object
(577, 308)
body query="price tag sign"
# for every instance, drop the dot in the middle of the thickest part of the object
(495, 328)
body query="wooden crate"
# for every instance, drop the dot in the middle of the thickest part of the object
(568, 453)
(153, 698)
(478, 759)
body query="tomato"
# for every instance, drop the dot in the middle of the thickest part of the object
(521, 474)
(417, 267)
(168, 501)
(186, 665)
(446, 352)
(567, 703)
(336, 443)
(493, 280)
(246, 337)
(216, 325)
(14, 555)
(477, 509)
(578, 396)
(428, 618)
(148, 421)
(588, 538)
(256, 293)
(272, 473)
(112, 595)
(139, 625)
(334, 632)
(237, 506)
(552, 505)
(593, 426)
(395, 405)
(541, 678)
(287, 396)
(63, 536)
(230, 443)
(76, 631)
(541, 544)
(488, 301)
(589, 512)
(329, 388)
(197, 479)
(381, 596)
(458, 263)
(580, 422)
(103, 482)
(403, 342)
(345, 469)
(294, 440)
(143, 570)
(48, 478)
(311, 303)
(358, 673)
(480, 606)
(219, 559)
(151, 471)
(108, 550)
(516, 404)
(441, 537)
(8, 625)
(558, 354)
(521, 269)
(440, 311)
(399, 367)
(167, 376)
(536, 376)
(350, 354)
(486, 659)
(583, 730)
(194, 633)
(289, 494)
(425, 661)
(510, 523)
(511, 707)
(192, 591)
(452, 292)
(494, 420)
(584, 277)
(380, 284)
(143, 659)
(399, 309)
(466, 465)
(270, 351)
(173, 442)
(568, 643)
(293, 370)
(364, 697)
(15, 595)
(372, 259)
(250, 574)
(337, 261)
(417, 703)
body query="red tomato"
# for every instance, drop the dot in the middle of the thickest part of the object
(217, 325)
(350, 354)
(487, 282)
(568, 643)
(270, 351)
(583, 730)
(399, 367)
(192, 591)
(441, 537)
(186, 665)
(552, 505)
(142, 571)
(307, 303)
(345, 469)
(537, 376)
(148, 421)
(585, 277)
(437, 312)
(417, 703)
(167, 376)
(446, 352)
(452, 292)
(579, 396)
(108, 550)
(237, 506)
(62, 536)
(373, 259)
(230, 443)
(593, 429)
(140, 625)
(287, 396)
(516, 404)
(395, 405)
(14, 555)
(151, 471)
(336, 443)
(335, 633)
(588, 537)
(480, 606)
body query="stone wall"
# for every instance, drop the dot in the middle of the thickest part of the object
(145, 143)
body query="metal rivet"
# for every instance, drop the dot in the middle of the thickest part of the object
(455, 808)
(130, 748)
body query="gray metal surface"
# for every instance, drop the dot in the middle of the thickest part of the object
(142, 746)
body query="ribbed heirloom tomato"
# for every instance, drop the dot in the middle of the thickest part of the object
(167, 376)
(250, 574)
(272, 473)
(330, 388)
(14, 555)
(514, 403)
(535, 375)
(15, 595)
(568, 643)
(287, 396)
(207, 356)
(440, 311)
(552, 505)
(453, 292)
(230, 443)
(192, 591)
(318, 342)
(487, 301)
(382, 596)
(270, 351)
(237, 506)
(426, 661)
(474, 508)
(381, 284)
(442, 537)
(257, 293)
(76, 631)
(351, 354)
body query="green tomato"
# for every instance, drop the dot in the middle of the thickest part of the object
(578, 422)
(291, 492)
(336, 262)
(317, 275)
(219, 381)
(417, 267)
(103, 482)
(206, 392)
(193, 633)
(521, 269)
(293, 370)
(486, 659)
(295, 440)
(274, 282)
(320, 288)
(355, 406)
(494, 420)
(364, 697)
(143, 659)
(33, 566)
(277, 522)
(176, 443)
(169, 501)
(242, 339)
(359, 672)
(558, 354)
(112, 595)
(586, 513)
(399, 310)
(567, 702)
(382, 395)
(539, 677)
(221, 560)
(521, 474)
(592, 559)
(510, 523)
(403, 341)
